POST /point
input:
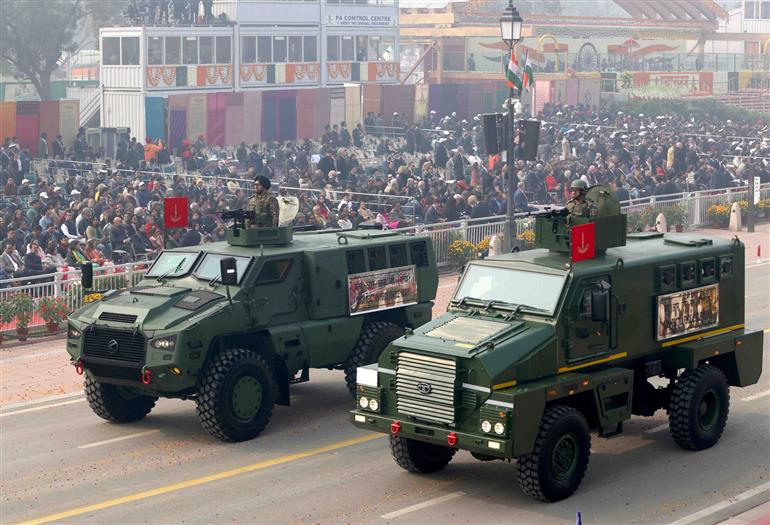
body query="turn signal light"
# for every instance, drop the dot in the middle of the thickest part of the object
(395, 427)
(175, 370)
(451, 439)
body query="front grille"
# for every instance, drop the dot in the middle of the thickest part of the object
(439, 374)
(116, 317)
(116, 345)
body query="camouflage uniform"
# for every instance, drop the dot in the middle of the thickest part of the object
(580, 208)
(265, 208)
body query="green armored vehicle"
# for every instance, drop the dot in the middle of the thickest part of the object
(537, 348)
(233, 324)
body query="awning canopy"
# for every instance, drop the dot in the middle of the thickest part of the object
(680, 10)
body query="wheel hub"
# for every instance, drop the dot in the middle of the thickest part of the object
(564, 458)
(247, 397)
(708, 410)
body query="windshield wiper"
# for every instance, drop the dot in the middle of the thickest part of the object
(213, 281)
(469, 301)
(167, 274)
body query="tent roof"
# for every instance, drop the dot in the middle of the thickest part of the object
(678, 10)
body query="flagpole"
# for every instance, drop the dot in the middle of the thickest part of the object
(509, 211)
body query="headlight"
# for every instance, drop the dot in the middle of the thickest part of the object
(499, 429)
(363, 402)
(164, 343)
(73, 333)
(374, 405)
(486, 426)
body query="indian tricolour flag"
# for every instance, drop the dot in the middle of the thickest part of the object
(512, 72)
(529, 77)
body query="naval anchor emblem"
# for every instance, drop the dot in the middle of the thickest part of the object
(113, 347)
(424, 388)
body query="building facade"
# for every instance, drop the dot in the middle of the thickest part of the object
(268, 51)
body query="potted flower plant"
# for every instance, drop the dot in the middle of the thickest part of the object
(719, 215)
(460, 252)
(22, 306)
(53, 310)
(6, 316)
(524, 241)
(675, 216)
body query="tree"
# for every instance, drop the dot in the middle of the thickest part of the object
(104, 13)
(33, 36)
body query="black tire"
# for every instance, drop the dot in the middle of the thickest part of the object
(374, 338)
(232, 373)
(420, 457)
(544, 476)
(115, 403)
(697, 412)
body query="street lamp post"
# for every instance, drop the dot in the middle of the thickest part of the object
(510, 31)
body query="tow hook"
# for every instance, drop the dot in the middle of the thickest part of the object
(146, 376)
(79, 367)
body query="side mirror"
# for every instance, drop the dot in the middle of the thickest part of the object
(600, 304)
(87, 276)
(228, 271)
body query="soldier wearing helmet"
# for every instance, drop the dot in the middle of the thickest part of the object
(578, 206)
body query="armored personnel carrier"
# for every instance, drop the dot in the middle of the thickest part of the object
(539, 348)
(233, 324)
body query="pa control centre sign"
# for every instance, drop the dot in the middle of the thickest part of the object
(360, 20)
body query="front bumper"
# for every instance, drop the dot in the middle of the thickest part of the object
(473, 442)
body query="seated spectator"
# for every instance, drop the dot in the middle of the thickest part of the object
(10, 261)
(75, 256)
(33, 261)
(93, 253)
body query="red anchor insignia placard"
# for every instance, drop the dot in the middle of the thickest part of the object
(175, 212)
(583, 238)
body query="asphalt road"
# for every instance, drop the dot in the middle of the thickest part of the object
(59, 462)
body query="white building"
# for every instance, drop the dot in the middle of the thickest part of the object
(752, 18)
(265, 46)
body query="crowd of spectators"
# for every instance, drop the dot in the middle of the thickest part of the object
(76, 207)
(171, 12)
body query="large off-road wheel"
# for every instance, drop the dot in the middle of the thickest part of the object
(554, 470)
(116, 403)
(697, 412)
(235, 395)
(418, 456)
(373, 340)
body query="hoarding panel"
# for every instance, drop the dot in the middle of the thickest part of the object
(687, 312)
(381, 290)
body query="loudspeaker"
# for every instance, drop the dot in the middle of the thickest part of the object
(531, 138)
(492, 123)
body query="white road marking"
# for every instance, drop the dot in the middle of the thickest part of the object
(40, 400)
(121, 438)
(653, 430)
(756, 396)
(35, 409)
(423, 505)
(698, 516)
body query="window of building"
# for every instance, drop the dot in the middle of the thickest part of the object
(361, 49)
(332, 48)
(265, 49)
(190, 50)
(129, 49)
(346, 48)
(310, 52)
(375, 44)
(751, 10)
(279, 49)
(388, 50)
(155, 50)
(765, 11)
(295, 49)
(111, 51)
(173, 50)
(224, 54)
(248, 49)
(207, 49)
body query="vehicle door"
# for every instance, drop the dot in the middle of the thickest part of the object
(591, 319)
(276, 289)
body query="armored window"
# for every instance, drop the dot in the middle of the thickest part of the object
(708, 271)
(725, 267)
(398, 255)
(584, 308)
(356, 261)
(274, 271)
(377, 260)
(667, 278)
(687, 274)
(419, 252)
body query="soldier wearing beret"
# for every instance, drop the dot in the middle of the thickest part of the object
(263, 204)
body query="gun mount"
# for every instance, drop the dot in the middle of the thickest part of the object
(241, 234)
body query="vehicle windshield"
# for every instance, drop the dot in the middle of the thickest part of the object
(209, 268)
(172, 264)
(536, 291)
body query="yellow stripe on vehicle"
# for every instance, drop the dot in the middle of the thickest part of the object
(591, 363)
(507, 384)
(704, 334)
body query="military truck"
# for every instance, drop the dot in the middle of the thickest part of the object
(233, 324)
(538, 348)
